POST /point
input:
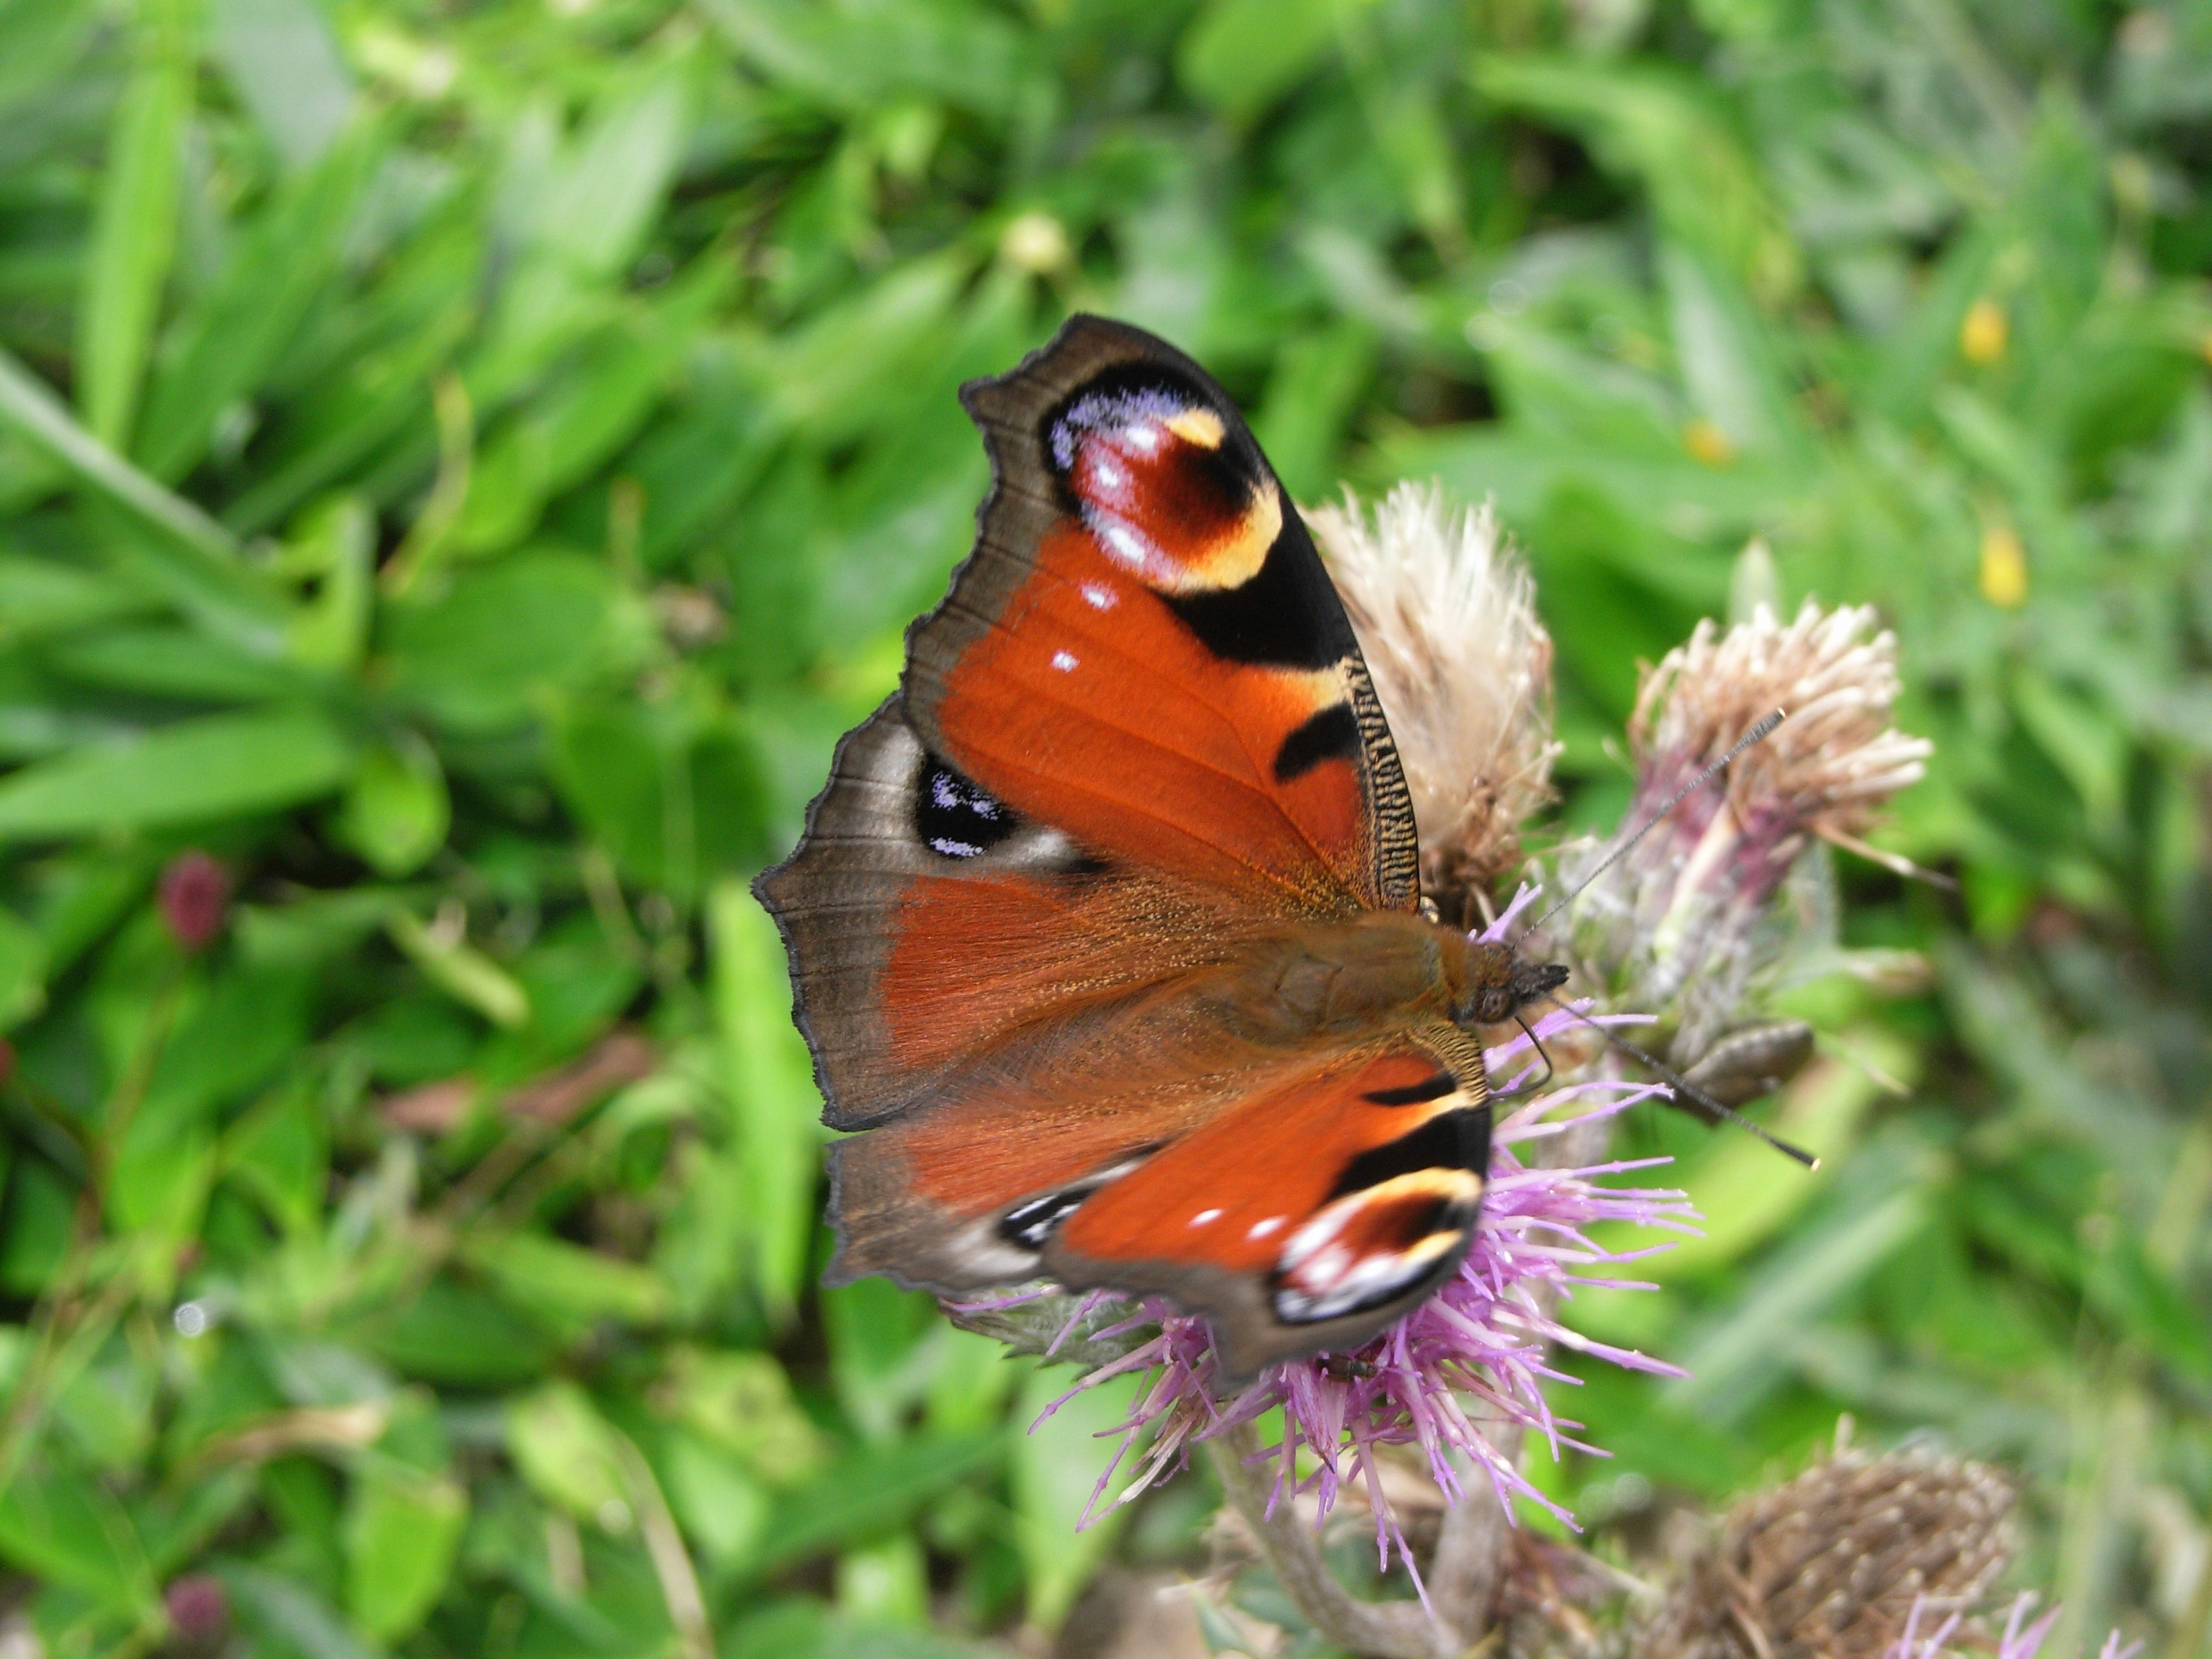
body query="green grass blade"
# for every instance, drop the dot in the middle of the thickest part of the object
(191, 557)
(135, 234)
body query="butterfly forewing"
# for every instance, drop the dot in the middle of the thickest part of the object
(1144, 650)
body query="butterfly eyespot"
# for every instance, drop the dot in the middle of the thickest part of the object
(956, 818)
(1371, 1246)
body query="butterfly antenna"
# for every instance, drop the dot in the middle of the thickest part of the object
(1764, 728)
(1682, 1085)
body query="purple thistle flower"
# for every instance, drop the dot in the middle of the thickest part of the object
(1473, 1355)
(2019, 1643)
(2021, 1640)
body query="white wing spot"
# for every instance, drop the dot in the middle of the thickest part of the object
(1125, 545)
(1110, 475)
(1143, 437)
(1205, 1217)
(1063, 660)
(1261, 1228)
(1100, 596)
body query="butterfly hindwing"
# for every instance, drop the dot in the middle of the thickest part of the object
(1307, 1214)
(1301, 1206)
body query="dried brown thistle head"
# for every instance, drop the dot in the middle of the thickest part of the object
(1828, 1565)
(1682, 922)
(1446, 618)
(1827, 771)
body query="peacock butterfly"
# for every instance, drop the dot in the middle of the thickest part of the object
(1105, 933)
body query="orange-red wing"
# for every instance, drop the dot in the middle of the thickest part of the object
(923, 977)
(1309, 1212)
(1145, 652)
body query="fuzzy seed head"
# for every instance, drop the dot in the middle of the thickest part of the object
(1446, 618)
(1829, 767)
(1839, 1562)
(1681, 924)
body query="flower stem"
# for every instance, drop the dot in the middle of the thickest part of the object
(1374, 1629)
(1468, 1568)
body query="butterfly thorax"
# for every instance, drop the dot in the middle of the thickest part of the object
(1382, 970)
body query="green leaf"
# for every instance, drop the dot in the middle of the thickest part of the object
(107, 1407)
(566, 1285)
(1310, 398)
(402, 1531)
(1874, 1207)
(22, 971)
(610, 184)
(1658, 122)
(174, 548)
(459, 1335)
(1058, 1464)
(569, 1453)
(478, 659)
(192, 771)
(173, 662)
(1728, 367)
(882, 1354)
(277, 1606)
(335, 548)
(721, 1503)
(225, 346)
(1241, 55)
(36, 1227)
(135, 233)
(64, 1527)
(459, 969)
(672, 794)
(396, 810)
(770, 1081)
(41, 597)
(742, 1402)
(866, 56)
(37, 43)
(281, 57)
(869, 1494)
(280, 1151)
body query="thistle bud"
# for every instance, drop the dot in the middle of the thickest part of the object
(194, 894)
(198, 1608)
(1682, 922)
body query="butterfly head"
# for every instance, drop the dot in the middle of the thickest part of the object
(1500, 983)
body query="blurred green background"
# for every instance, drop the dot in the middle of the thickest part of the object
(462, 463)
